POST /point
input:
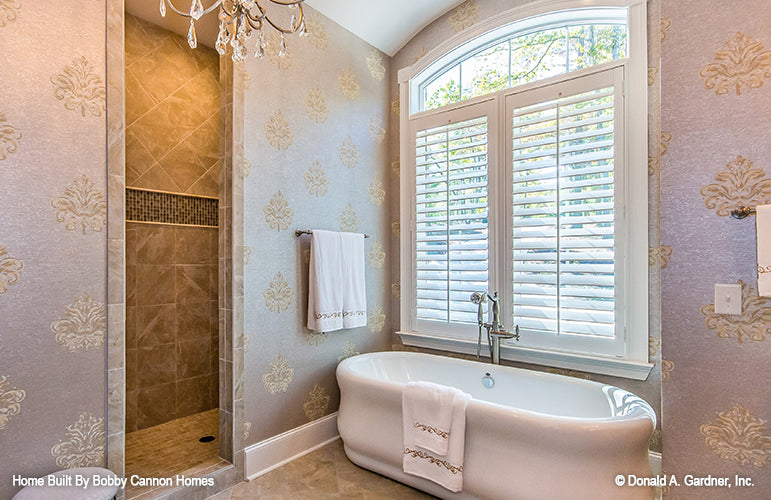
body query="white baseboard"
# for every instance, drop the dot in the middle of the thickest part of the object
(274, 452)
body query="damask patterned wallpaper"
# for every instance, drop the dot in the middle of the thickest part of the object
(315, 157)
(468, 14)
(716, 87)
(53, 238)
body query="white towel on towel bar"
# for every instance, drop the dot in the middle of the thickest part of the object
(763, 226)
(336, 288)
(354, 288)
(446, 469)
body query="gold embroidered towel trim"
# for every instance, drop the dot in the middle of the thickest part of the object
(424, 455)
(431, 430)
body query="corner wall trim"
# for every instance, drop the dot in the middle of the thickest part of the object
(274, 452)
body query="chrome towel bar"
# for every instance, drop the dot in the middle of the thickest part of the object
(299, 232)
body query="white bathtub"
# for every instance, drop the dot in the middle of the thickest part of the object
(532, 436)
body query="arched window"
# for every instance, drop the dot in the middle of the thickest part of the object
(524, 160)
(525, 51)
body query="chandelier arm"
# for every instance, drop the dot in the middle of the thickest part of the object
(255, 19)
(254, 23)
(279, 28)
(187, 14)
(233, 10)
(288, 2)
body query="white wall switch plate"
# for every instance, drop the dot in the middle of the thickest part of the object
(728, 299)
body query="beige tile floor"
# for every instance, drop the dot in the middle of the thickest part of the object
(325, 474)
(172, 448)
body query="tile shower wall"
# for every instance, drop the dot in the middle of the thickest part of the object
(171, 323)
(716, 64)
(315, 156)
(464, 16)
(172, 112)
(172, 144)
(53, 237)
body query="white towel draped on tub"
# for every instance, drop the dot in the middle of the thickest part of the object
(337, 296)
(434, 418)
(431, 408)
(763, 226)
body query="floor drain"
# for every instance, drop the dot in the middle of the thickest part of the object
(207, 439)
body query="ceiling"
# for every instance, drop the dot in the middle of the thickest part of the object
(385, 24)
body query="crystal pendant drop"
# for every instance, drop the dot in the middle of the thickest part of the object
(243, 29)
(259, 51)
(192, 40)
(282, 50)
(222, 38)
(163, 8)
(293, 22)
(220, 47)
(303, 30)
(196, 9)
(239, 51)
(221, 44)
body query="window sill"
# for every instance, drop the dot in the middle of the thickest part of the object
(634, 370)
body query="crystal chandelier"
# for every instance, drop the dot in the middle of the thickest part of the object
(238, 18)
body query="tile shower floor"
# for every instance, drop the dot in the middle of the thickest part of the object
(172, 448)
(324, 474)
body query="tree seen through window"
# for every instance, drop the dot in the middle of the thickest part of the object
(526, 59)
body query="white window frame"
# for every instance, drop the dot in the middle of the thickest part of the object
(632, 217)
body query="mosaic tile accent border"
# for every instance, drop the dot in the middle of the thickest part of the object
(170, 208)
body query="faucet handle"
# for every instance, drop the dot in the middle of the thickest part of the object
(502, 334)
(507, 335)
(478, 297)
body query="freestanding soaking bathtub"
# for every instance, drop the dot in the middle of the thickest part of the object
(531, 436)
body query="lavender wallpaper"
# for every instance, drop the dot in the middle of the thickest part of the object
(53, 238)
(715, 70)
(315, 157)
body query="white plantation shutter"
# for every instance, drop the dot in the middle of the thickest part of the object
(451, 219)
(563, 160)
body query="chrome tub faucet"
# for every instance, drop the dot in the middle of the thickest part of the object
(495, 331)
